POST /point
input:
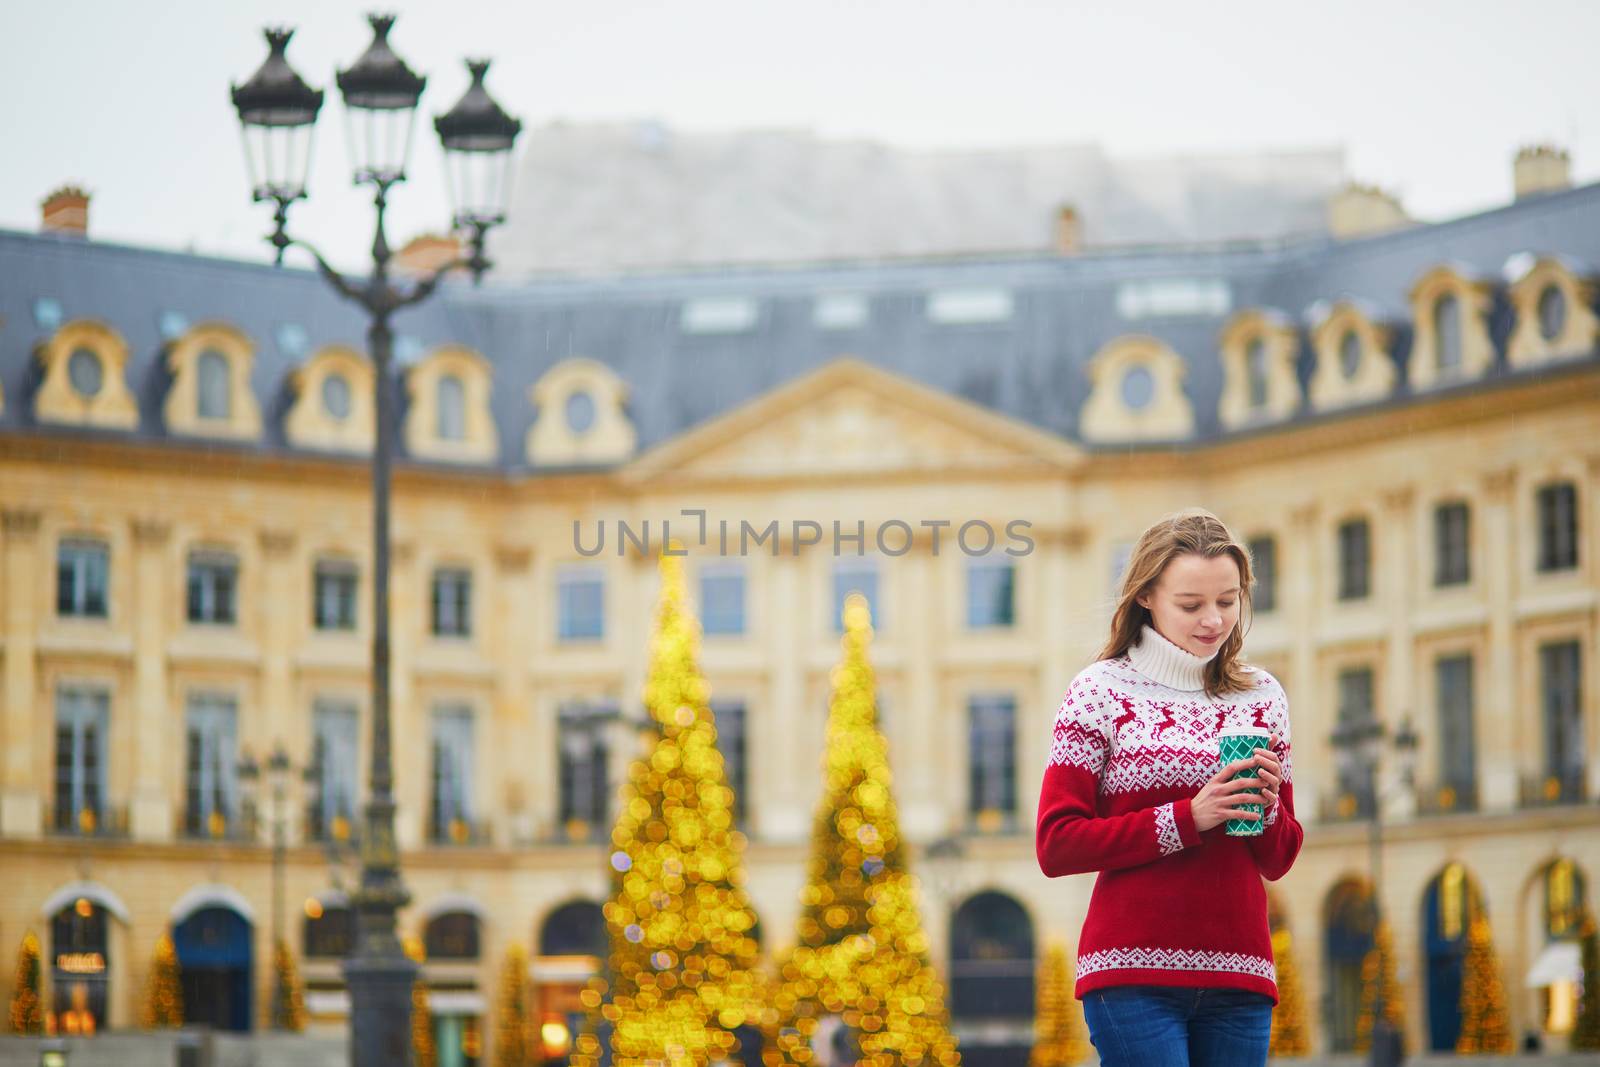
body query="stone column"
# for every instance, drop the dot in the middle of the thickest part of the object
(511, 752)
(1312, 705)
(22, 801)
(1589, 560)
(410, 737)
(156, 728)
(927, 810)
(1504, 733)
(792, 724)
(1403, 697)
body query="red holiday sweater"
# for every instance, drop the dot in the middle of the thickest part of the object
(1135, 739)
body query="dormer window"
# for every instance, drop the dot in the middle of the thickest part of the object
(336, 396)
(1350, 354)
(1447, 333)
(1138, 387)
(1552, 312)
(452, 413)
(1256, 370)
(580, 411)
(212, 371)
(85, 372)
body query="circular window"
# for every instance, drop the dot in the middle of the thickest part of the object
(1350, 353)
(84, 371)
(1138, 387)
(1552, 312)
(336, 396)
(580, 411)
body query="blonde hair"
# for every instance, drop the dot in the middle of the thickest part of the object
(1193, 531)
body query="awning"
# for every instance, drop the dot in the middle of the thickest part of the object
(1559, 962)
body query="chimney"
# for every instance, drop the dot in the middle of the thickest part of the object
(1069, 231)
(1361, 210)
(1541, 168)
(65, 211)
(426, 253)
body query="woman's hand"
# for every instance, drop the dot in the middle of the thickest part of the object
(1222, 799)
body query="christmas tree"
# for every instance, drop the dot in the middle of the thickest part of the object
(683, 966)
(1484, 1025)
(1379, 962)
(27, 1015)
(1059, 1037)
(423, 1053)
(861, 953)
(1289, 1037)
(163, 992)
(511, 1044)
(1586, 1032)
(290, 1003)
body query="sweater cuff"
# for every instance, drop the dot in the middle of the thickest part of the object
(1183, 816)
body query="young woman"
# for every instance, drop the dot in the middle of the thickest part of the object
(1175, 960)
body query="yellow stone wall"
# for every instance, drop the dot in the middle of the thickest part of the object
(847, 443)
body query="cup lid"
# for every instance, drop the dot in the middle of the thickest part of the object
(1244, 731)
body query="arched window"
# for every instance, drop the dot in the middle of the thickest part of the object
(1447, 333)
(214, 389)
(1349, 922)
(1552, 311)
(1451, 903)
(80, 964)
(452, 936)
(1350, 353)
(577, 928)
(451, 399)
(214, 959)
(991, 958)
(1255, 356)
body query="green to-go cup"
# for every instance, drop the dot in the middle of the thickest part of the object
(1237, 743)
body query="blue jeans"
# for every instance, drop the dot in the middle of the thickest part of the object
(1169, 1026)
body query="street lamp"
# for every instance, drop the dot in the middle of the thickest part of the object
(381, 95)
(1358, 747)
(277, 777)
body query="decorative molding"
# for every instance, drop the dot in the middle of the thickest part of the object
(1375, 372)
(58, 399)
(276, 542)
(311, 424)
(182, 408)
(1107, 417)
(1580, 328)
(1305, 515)
(610, 435)
(1500, 482)
(1474, 298)
(1281, 344)
(513, 559)
(20, 522)
(1398, 498)
(151, 531)
(480, 441)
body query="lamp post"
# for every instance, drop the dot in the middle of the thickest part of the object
(1359, 749)
(277, 774)
(276, 113)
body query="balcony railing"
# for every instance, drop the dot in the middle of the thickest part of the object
(1448, 799)
(106, 821)
(1553, 790)
(217, 826)
(1346, 807)
(338, 830)
(460, 833)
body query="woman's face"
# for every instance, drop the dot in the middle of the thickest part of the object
(1195, 602)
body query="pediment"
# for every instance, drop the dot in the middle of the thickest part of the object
(850, 418)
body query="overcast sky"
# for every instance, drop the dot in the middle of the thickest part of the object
(1429, 99)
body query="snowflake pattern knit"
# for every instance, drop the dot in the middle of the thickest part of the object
(1135, 739)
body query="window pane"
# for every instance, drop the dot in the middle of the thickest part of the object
(1563, 714)
(991, 590)
(1552, 312)
(211, 787)
(580, 604)
(1256, 370)
(1457, 747)
(1558, 527)
(1451, 544)
(452, 771)
(452, 602)
(82, 570)
(1447, 332)
(452, 413)
(1264, 564)
(856, 578)
(1354, 559)
(730, 720)
(214, 390)
(335, 732)
(992, 759)
(722, 602)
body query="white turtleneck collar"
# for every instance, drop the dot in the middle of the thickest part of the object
(1160, 660)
